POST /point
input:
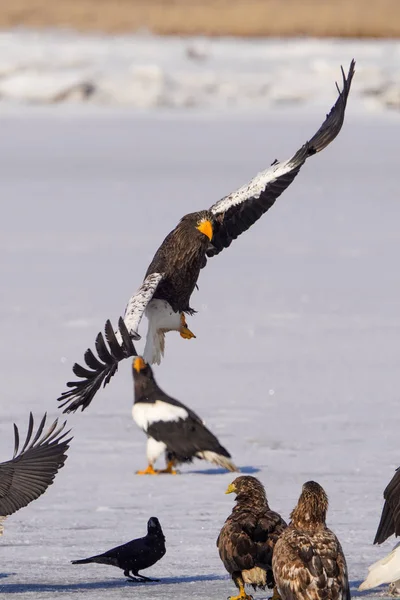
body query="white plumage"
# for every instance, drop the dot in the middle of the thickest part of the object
(255, 187)
(145, 414)
(137, 304)
(385, 570)
(161, 319)
(154, 450)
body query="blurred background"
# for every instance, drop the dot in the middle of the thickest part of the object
(219, 54)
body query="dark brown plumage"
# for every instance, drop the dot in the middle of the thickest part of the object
(248, 537)
(164, 295)
(180, 258)
(308, 561)
(389, 523)
(30, 472)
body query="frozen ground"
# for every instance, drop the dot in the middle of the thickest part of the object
(296, 362)
(153, 72)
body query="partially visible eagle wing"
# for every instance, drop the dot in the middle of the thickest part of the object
(30, 472)
(138, 302)
(121, 346)
(390, 517)
(237, 212)
(82, 392)
(237, 550)
(310, 568)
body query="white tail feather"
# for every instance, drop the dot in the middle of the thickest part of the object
(385, 570)
(154, 348)
(218, 459)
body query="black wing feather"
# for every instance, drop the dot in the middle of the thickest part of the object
(390, 518)
(30, 472)
(83, 392)
(239, 211)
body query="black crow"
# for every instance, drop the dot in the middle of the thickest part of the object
(135, 555)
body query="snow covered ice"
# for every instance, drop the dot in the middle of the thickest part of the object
(296, 363)
(152, 72)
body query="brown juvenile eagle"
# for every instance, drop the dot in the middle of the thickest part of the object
(30, 472)
(247, 539)
(169, 281)
(308, 561)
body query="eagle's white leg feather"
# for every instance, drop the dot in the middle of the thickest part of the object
(386, 570)
(161, 319)
(2, 519)
(154, 450)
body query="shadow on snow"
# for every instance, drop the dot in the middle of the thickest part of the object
(243, 470)
(17, 588)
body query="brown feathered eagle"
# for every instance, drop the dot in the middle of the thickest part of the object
(308, 561)
(248, 537)
(164, 296)
(32, 469)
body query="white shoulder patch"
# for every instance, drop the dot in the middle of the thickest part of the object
(139, 301)
(254, 188)
(145, 414)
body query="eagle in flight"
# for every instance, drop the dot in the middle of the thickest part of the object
(164, 296)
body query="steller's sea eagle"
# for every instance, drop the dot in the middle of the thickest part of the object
(164, 296)
(171, 427)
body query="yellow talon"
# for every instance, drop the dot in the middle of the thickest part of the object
(184, 330)
(149, 471)
(242, 594)
(169, 469)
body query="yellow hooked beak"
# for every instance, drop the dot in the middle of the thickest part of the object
(206, 228)
(230, 489)
(139, 364)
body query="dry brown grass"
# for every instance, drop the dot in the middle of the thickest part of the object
(344, 18)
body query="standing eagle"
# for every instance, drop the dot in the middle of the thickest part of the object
(169, 281)
(308, 561)
(30, 472)
(247, 539)
(171, 427)
(387, 569)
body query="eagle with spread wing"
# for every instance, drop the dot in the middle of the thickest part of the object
(30, 472)
(164, 296)
(308, 561)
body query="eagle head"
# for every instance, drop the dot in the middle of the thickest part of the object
(202, 221)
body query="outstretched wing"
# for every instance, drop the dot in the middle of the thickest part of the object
(238, 211)
(30, 472)
(390, 518)
(82, 392)
(138, 303)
